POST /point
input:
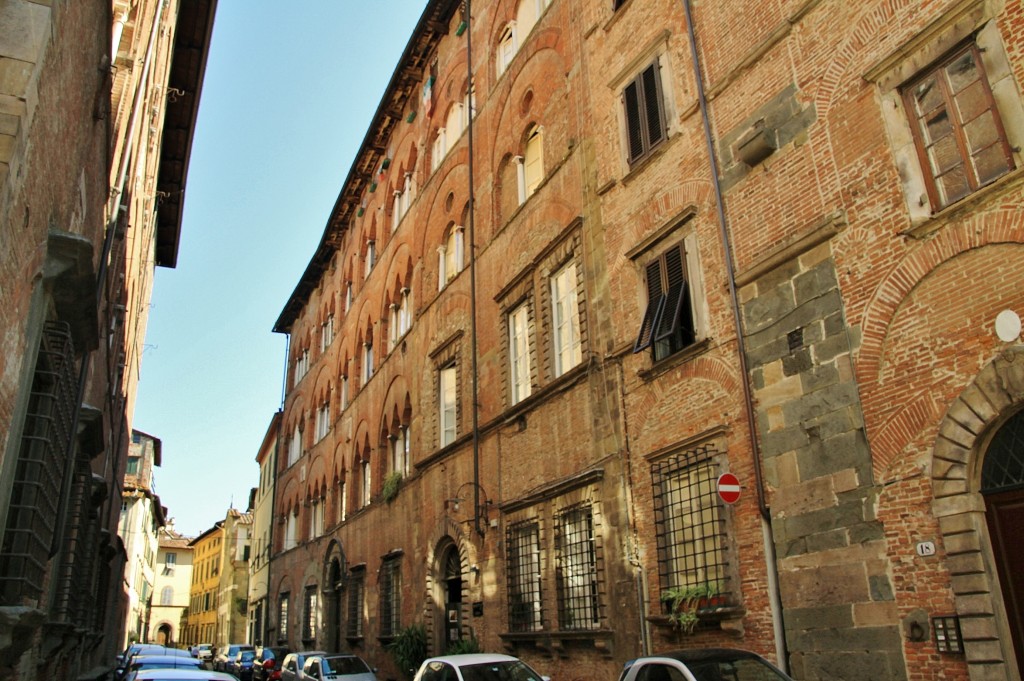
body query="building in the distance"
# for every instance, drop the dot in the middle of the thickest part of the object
(142, 518)
(173, 580)
(262, 534)
(233, 586)
(204, 591)
(643, 324)
(98, 102)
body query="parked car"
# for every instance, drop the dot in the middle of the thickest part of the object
(267, 666)
(240, 666)
(339, 667)
(291, 668)
(477, 667)
(133, 649)
(703, 664)
(178, 675)
(202, 651)
(220, 660)
(150, 661)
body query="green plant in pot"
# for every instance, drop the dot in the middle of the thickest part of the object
(686, 602)
(409, 648)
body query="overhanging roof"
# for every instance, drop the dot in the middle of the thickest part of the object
(188, 66)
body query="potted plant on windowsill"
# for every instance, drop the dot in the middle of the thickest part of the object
(686, 604)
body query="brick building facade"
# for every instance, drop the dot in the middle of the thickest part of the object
(97, 106)
(655, 241)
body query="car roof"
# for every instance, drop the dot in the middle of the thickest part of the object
(706, 654)
(473, 658)
(176, 659)
(181, 675)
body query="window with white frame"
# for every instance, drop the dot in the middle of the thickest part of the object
(405, 312)
(295, 446)
(323, 420)
(367, 361)
(400, 450)
(371, 256)
(447, 399)
(519, 353)
(454, 125)
(450, 256)
(576, 569)
(506, 47)
(644, 104)
(290, 530)
(565, 320)
(344, 392)
(327, 333)
(301, 365)
(167, 595)
(342, 502)
(170, 562)
(394, 332)
(348, 296)
(366, 489)
(533, 160)
(439, 148)
(316, 523)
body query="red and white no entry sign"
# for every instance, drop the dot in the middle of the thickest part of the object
(728, 488)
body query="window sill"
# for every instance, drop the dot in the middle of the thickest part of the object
(936, 221)
(553, 642)
(641, 164)
(710, 618)
(663, 365)
(355, 641)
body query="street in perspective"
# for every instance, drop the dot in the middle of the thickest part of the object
(636, 340)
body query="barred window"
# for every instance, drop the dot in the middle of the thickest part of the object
(309, 623)
(576, 561)
(356, 587)
(524, 593)
(35, 495)
(390, 597)
(692, 549)
(282, 618)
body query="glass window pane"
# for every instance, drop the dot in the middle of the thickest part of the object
(981, 132)
(936, 126)
(990, 163)
(953, 186)
(944, 155)
(926, 96)
(962, 72)
(972, 102)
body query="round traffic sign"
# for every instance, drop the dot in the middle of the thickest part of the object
(728, 488)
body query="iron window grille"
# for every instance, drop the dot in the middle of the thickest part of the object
(958, 133)
(643, 100)
(356, 593)
(691, 538)
(390, 597)
(309, 623)
(668, 324)
(1003, 469)
(43, 456)
(282, 621)
(576, 571)
(524, 578)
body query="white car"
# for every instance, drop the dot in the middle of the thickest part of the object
(477, 667)
(292, 667)
(179, 675)
(702, 664)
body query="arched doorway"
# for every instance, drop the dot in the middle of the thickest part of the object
(451, 591)
(1002, 485)
(163, 635)
(335, 610)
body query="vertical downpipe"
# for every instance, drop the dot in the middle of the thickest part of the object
(766, 528)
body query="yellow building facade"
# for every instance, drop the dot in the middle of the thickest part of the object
(201, 625)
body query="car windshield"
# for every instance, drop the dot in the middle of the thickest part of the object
(344, 665)
(747, 669)
(512, 670)
(247, 656)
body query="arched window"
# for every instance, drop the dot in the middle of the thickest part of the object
(506, 47)
(450, 256)
(366, 482)
(533, 161)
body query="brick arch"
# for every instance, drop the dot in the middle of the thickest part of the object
(712, 370)
(998, 227)
(960, 509)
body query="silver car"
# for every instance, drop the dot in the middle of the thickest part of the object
(291, 668)
(340, 667)
(702, 664)
(477, 667)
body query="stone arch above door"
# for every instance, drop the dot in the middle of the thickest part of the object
(995, 394)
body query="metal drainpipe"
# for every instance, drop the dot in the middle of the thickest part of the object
(472, 280)
(766, 528)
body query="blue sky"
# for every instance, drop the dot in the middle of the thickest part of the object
(289, 92)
